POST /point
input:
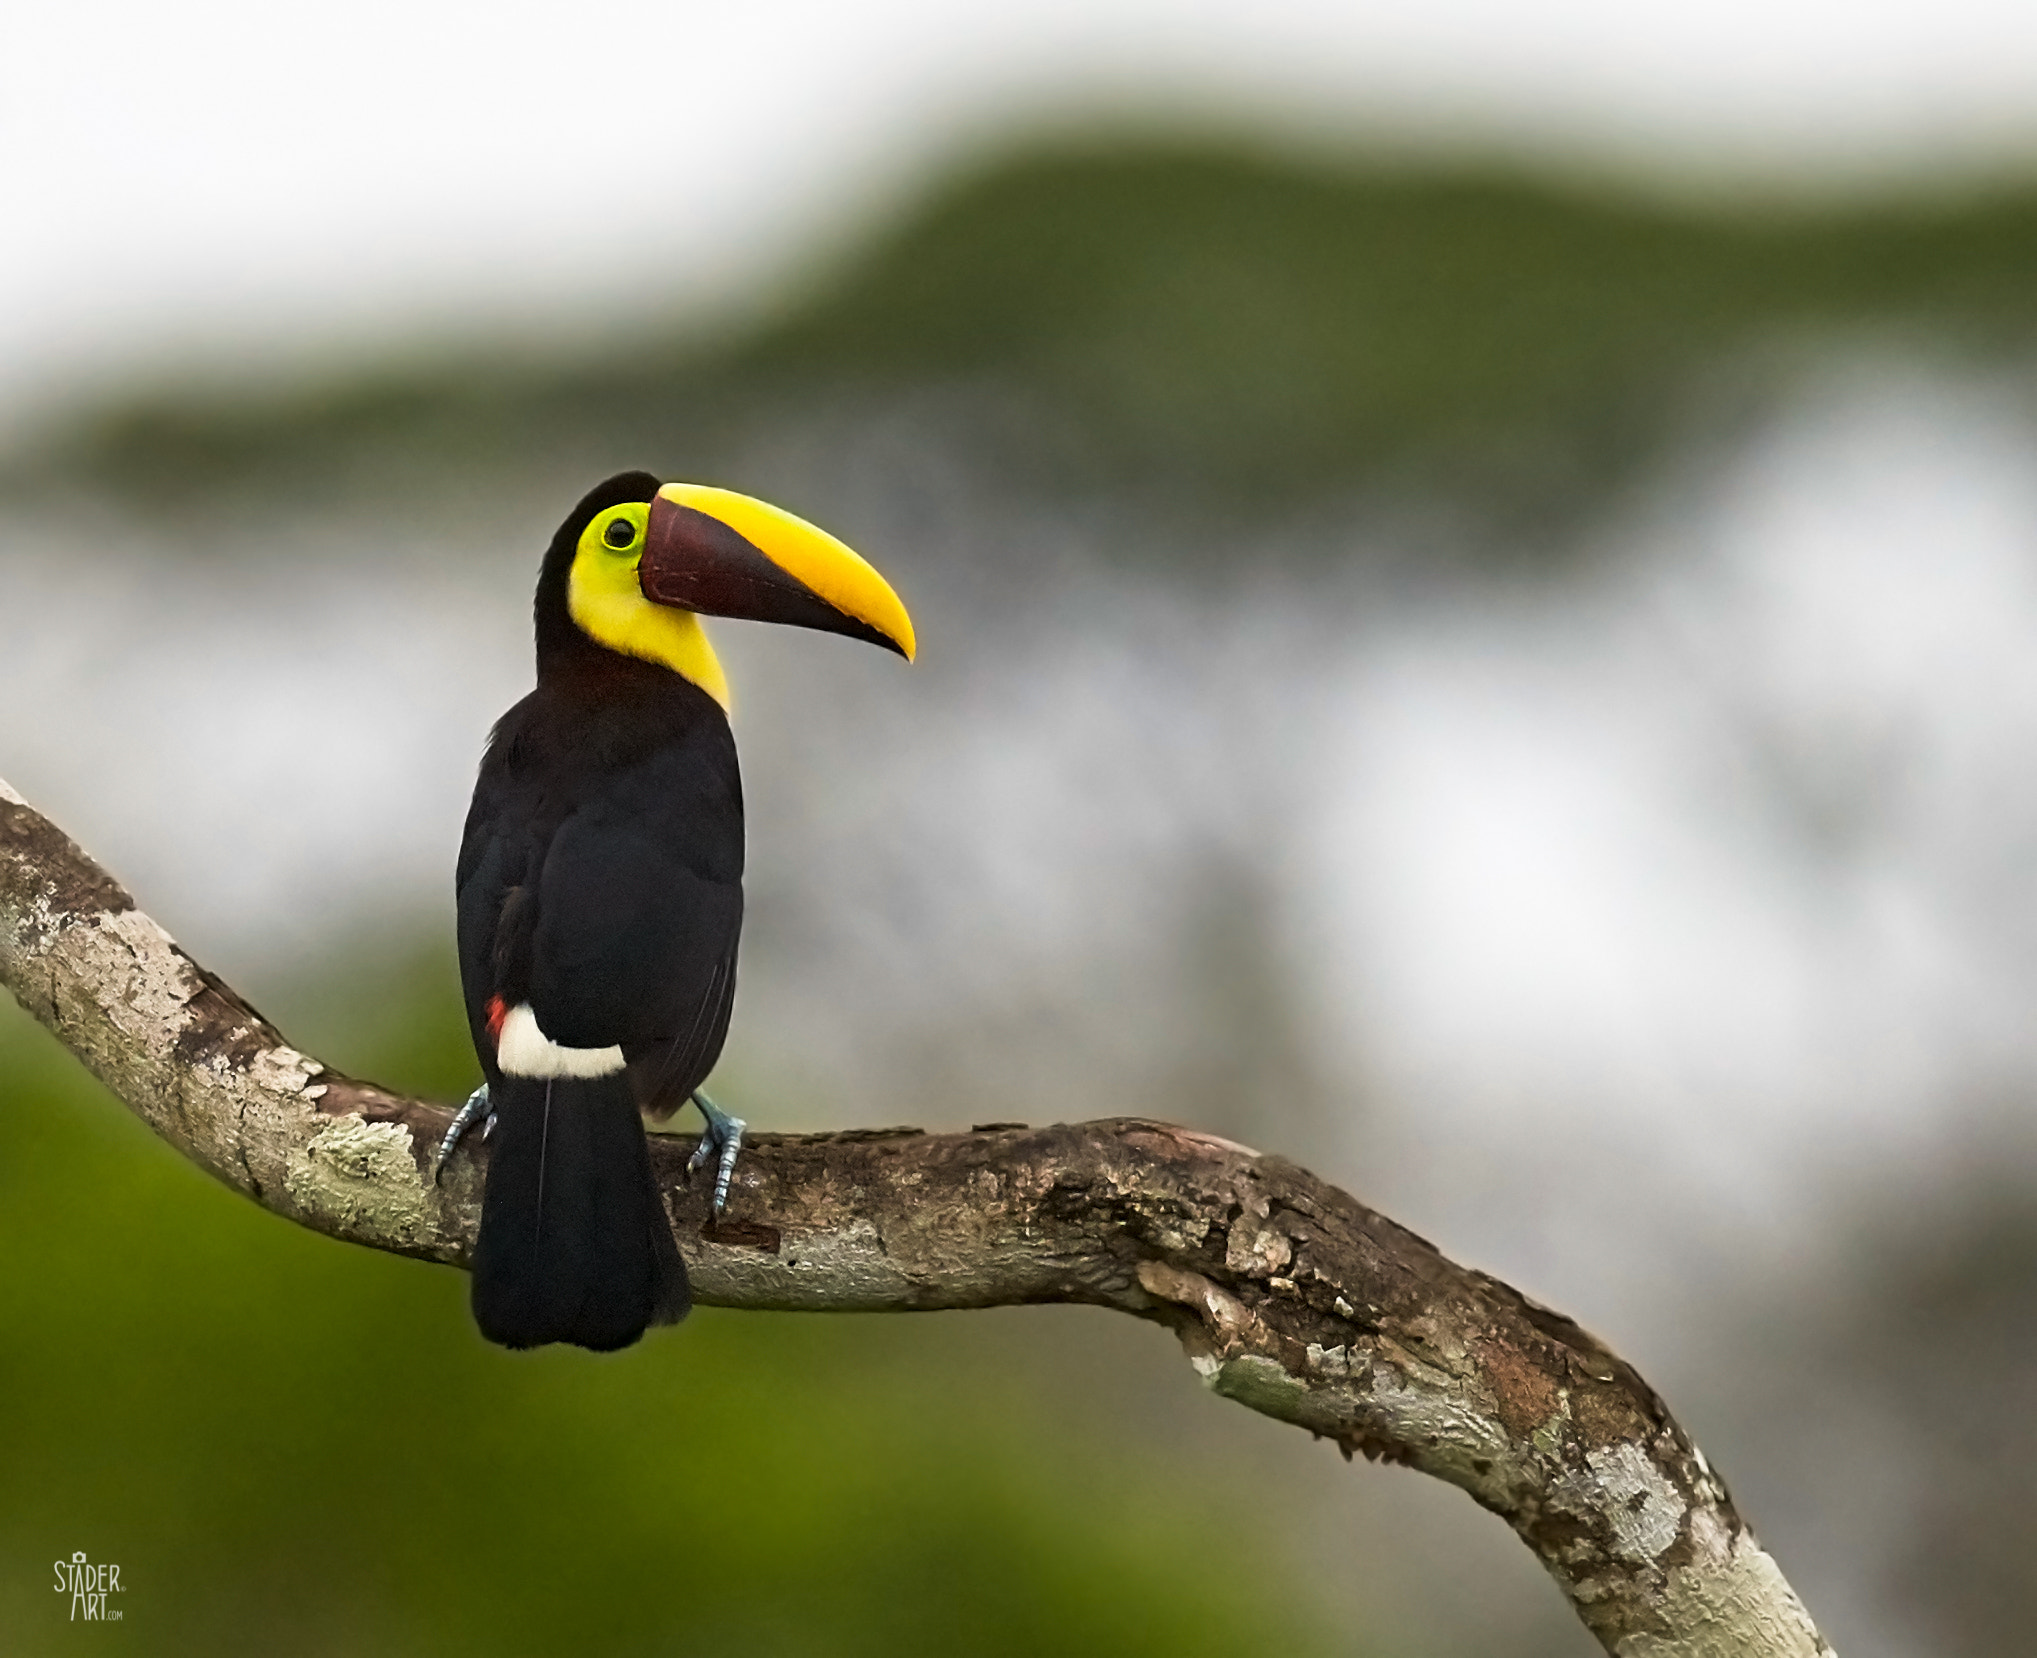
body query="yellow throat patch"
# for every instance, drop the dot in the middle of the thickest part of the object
(606, 602)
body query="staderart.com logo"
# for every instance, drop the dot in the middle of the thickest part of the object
(88, 1586)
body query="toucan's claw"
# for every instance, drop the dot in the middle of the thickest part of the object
(724, 1135)
(477, 1103)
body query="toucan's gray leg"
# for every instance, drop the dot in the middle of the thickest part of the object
(723, 1135)
(477, 1104)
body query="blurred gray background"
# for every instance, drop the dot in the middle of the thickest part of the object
(1477, 578)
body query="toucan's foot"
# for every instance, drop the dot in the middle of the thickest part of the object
(476, 1107)
(723, 1136)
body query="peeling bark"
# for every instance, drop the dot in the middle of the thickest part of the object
(1287, 1294)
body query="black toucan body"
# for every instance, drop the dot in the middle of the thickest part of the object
(600, 890)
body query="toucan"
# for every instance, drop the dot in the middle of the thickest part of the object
(600, 888)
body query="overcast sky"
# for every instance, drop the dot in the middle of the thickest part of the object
(265, 182)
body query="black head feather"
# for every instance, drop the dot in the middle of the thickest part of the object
(558, 639)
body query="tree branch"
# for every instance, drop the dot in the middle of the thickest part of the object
(1288, 1295)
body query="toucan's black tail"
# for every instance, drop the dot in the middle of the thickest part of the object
(574, 1243)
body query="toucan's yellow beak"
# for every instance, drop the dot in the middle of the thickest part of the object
(723, 554)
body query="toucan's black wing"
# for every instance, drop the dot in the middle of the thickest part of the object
(609, 897)
(499, 854)
(639, 905)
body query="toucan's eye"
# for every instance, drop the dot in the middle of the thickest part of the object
(619, 534)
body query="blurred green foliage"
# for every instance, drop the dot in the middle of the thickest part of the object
(1206, 323)
(296, 1445)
